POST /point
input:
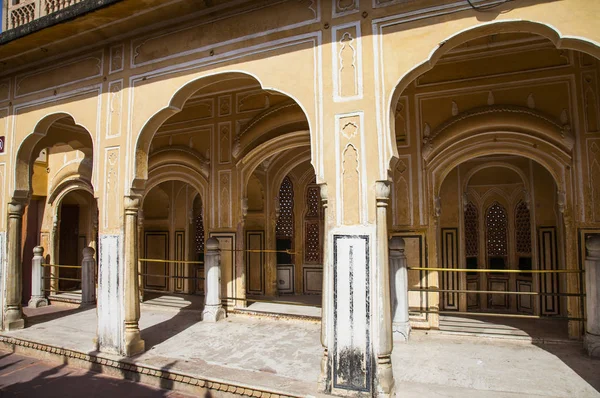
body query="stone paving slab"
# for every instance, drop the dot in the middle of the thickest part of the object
(285, 355)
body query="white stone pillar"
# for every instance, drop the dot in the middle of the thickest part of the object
(133, 341)
(384, 346)
(13, 312)
(88, 285)
(399, 289)
(38, 299)
(213, 309)
(592, 296)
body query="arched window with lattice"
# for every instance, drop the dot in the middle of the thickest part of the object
(198, 226)
(471, 231)
(285, 222)
(313, 221)
(522, 229)
(284, 229)
(496, 225)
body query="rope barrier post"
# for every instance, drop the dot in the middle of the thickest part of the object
(38, 299)
(213, 309)
(592, 287)
(88, 286)
(399, 289)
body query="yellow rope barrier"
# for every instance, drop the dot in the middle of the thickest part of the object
(155, 260)
(496, 315)
(62, 279)
(433, 290)
(500, 271)
(61, 266)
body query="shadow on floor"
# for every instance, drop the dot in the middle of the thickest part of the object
(185, 315)
(28, 377)
(51, 312)
(551, 335)
(578, 360)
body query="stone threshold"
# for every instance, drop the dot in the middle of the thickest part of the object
(130, 369)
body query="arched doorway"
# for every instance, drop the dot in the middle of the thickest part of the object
(77, 228)
(508, 217)
(466, 108)
(228, 141)
(171, 239)
(53, 183)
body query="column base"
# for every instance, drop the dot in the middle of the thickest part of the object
(213, 313)
(401, 331)
(135, 347)
(17, 324)
(591, 342)
(385, 377)
(324, 383)
(14, 319)
(37, 302)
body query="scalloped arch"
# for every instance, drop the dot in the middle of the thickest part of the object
(31, 144)
(481, 30)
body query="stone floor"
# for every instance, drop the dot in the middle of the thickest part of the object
(285, 354)
(537, 330)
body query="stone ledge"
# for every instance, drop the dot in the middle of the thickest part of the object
(130, 370)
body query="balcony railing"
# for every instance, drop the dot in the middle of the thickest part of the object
(21, 12)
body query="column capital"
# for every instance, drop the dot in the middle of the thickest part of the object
(212, 244)
(38, 251)
(382, 192)
(592, 244)
(88, 253)
(132, 203)
(16, 207)
(396, 246)
(324, 193)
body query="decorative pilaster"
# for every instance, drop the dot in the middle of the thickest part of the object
(326, 298)
(88, 287)
(213, 309)
(384, 343)
(133, 342)
(592, 298)
(38, 299)
(399, 289)
(13, 312)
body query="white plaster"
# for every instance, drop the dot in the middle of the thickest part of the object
(110, 294)
(351, 312)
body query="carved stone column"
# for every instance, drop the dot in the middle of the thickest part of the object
(38, 299)
(213, 309)
(326, 298)
(384, 342)
(399, 289)
(592, 298)
(133, 342)
(13, 312)
(88, 287)
(141, 252)
(53, 252)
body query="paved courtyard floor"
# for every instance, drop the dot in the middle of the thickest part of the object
(285, 354)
